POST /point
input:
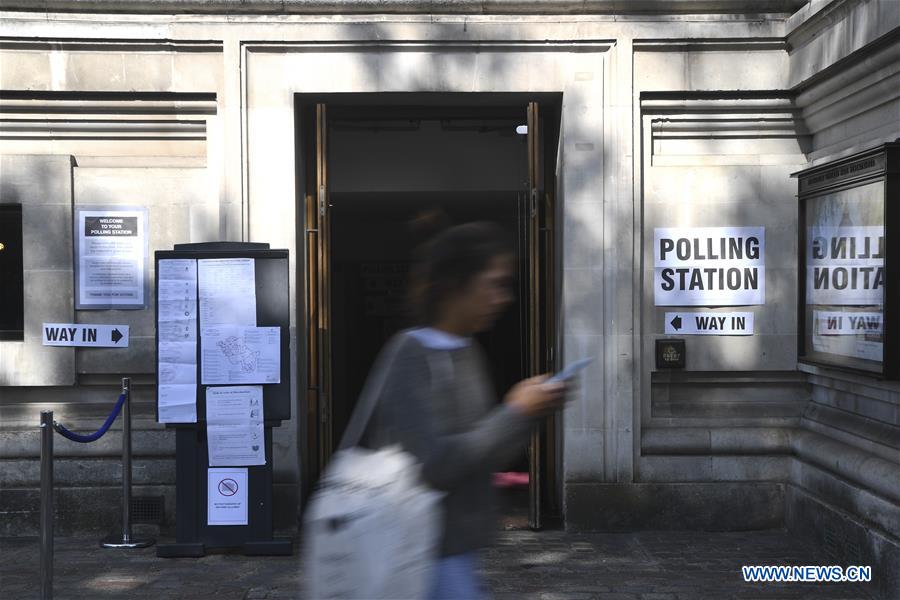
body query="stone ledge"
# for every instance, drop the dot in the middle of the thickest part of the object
(849, 381)
(846, 540)
(864, 506)
(77, 511)
(86, 471)
(27, 444)
(674, 506)
(555, 7)
(97, 510)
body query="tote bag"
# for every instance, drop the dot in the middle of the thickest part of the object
(372, 529)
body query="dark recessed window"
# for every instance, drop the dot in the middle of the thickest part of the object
(12, 299)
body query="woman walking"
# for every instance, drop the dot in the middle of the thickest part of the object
(437, 400)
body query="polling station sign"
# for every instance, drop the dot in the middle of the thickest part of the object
(111, 249)
(845, 266)
(709, 266)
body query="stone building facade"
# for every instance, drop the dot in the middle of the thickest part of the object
(691, 113)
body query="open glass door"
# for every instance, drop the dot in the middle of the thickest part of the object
(339, 216)
(541, 480)
(318, 291)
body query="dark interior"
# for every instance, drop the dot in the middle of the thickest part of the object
(369, 286)
(383, 172)
(12, 299)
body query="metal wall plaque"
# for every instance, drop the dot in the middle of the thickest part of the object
(670, 354)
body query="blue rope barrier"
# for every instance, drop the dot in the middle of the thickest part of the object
(84, 439)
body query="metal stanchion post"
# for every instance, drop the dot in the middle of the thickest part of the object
(46, 504)
(126, 540)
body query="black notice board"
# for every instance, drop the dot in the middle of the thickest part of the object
(272, 310)
(193, 533)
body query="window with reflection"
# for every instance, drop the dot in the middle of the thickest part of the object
(843, 271)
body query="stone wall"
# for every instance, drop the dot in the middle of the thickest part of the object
(844, 484)
(667, 120)
(96, 123)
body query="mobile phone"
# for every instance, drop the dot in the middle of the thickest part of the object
(571, 370)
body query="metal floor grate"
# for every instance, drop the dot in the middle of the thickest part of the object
(148, 510)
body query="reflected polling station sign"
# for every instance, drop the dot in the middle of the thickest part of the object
(111, 251)
(709, 266)
(857, 334)
(845, 265)
(828, 322)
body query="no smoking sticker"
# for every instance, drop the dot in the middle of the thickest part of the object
(228, 487)
(227, 496)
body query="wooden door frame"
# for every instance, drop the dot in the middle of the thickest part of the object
(313, 233)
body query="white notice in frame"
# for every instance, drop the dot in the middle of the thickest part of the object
(111, 251)
(226, 496)
(709, 266)
(709, 323)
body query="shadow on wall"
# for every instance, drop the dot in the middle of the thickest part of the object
(731, 195)
(42, 185)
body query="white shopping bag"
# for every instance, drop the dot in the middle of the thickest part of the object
(372, 529)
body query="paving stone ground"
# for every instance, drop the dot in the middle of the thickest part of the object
(547, 565)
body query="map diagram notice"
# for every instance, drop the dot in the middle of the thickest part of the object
(240, 354)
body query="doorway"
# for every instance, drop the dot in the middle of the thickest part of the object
(372, 166)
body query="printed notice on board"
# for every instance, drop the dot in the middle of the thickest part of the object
(176, 323)
(709, 266)
(234, 425)
(226, 497)
(236, 354)
(177, 403)
(845, 266)
(227, 291)
(111, 257)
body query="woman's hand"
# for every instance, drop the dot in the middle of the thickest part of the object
(535, 398)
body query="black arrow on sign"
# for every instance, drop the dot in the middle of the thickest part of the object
(676, 322)
(116, 336)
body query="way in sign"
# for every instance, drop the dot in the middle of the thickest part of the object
(709, 323)
(90, 336)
